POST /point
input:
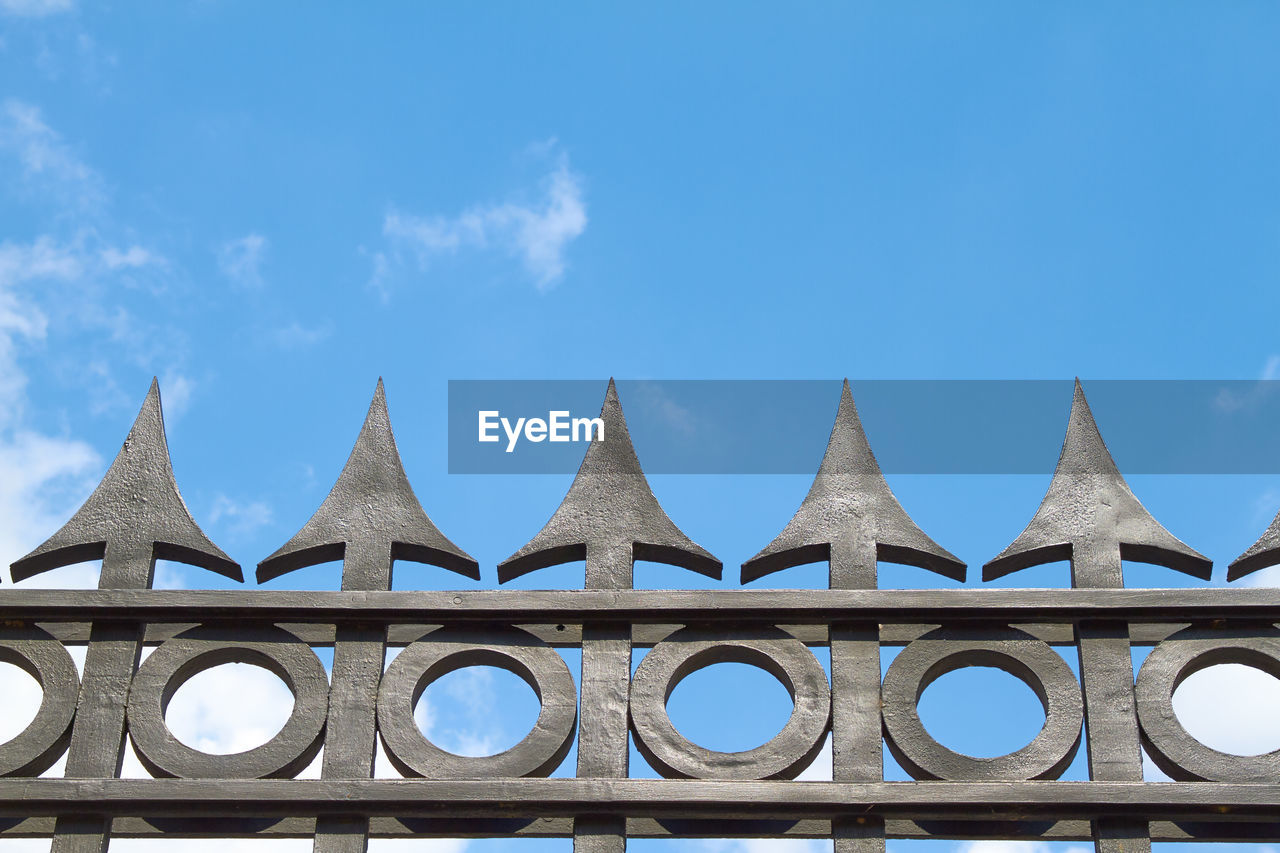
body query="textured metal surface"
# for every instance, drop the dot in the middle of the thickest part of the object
(450, 649)
(1176, 752)
(1090, 517)
(194, 651)
(1260, 555)
(691, 649)
(610, 518)
(369, 519)
(134, 517)
(851, 519)
(33, 750)
(1017, 653)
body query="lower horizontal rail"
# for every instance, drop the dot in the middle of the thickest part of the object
(639, 827)
(504, 800)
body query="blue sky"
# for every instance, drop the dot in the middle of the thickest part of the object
(269, 207)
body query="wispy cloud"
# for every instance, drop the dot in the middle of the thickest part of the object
(43, 478)
(296, 336)
(1018, 847)
(471, 690)
(178, 390)
(1228, 401)
(1271, 370)
(47, 164)
(135, 257)
(240, 260)
(199, 715)
(35, 8)
(763, 845)
(1231, 708)
(536, 233)
(240, 518)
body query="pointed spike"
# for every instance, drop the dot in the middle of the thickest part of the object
(609, 508)
(136, 510)
(850, 508)
(371, 508)
(1089, 505)
(1260, 555)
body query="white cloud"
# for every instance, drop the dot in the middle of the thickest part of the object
(177, 390)
(1228, 401)
(1018, 847)
(764, 845)
(821, 768)
(536, 233)
(66, 281)
(240, 260)
(42, 477)
(46, 161)
(134, 257)
(470, 688)
(229, 708)
(296, 336)
(68, 284)
(22, 694)
(35, 8)
(1271, 370)
(1231, 707)
(239, 518)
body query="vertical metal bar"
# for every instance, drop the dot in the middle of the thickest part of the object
(370, 518)
(608, 513)
(359, 652)
(856, 742)
(1090, 507)
(98, 735)
(1106, 677)
(603, 745)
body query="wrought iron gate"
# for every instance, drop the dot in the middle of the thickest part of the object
(610, 518)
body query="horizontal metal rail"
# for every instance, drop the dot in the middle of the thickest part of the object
(789, 606)
(652, 798)
(646, 827)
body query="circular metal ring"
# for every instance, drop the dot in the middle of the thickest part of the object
(1016, 652)
(207, 646)
(1188, 651)
(691, 649)
(448, 649)
(38, 746)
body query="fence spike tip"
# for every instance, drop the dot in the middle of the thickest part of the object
(136, 505)
(610, 505)
(1088, 500)
(850, 501)
(1260, 555)
(372, 502)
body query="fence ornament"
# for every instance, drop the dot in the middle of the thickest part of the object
(609, 519)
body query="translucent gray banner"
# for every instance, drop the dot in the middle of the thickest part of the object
(914, 426)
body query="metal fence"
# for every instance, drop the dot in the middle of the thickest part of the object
(610, 518)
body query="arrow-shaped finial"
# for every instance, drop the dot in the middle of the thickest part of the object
(1261, 554)
(1090, 516)
(851, 518)
(370, 518)
(609, 517)
(134, 517)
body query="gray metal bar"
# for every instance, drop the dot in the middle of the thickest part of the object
(642, 827)
(1213, 802)
(780, 606)
(569, 635)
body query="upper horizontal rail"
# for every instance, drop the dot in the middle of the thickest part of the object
(790, 606)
